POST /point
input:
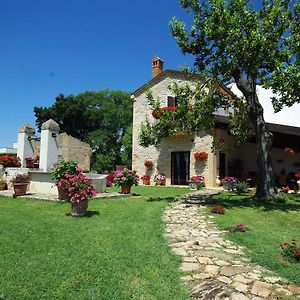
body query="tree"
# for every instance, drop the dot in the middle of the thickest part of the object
(233, 40)
(98, 118)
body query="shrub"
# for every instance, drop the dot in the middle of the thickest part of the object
(60, 169)
(291, 250)
(238, 227)
(218, 209)
(110, 179)
(78, 187)
(241, 187)
(126, 177)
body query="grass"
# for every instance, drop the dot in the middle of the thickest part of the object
(119, 252)
(270, 224)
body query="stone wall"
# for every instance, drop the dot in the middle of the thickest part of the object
(162, 157)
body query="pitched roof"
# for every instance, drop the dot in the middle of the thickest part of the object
(169, 73)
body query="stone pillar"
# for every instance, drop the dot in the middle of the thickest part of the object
(25, 144)
(49, 145)
(212, 169)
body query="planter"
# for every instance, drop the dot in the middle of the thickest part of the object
(79, 209)
(125, 189)
(228, 185)
(2, 185)
(63, 194)
(146, 181)
(29, 164)
(20, 189)
(195, 185)
(36, 165)
(160, 182)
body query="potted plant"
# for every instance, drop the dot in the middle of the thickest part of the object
(29, 162)
(196, 182)
(160, 179)
(20, 183)
(228, 183)
(36, 162)
(126, 179)
(149, 164)
(200, 155)
(62, 170)
(79, 189)
(146, 179)
(2, 181)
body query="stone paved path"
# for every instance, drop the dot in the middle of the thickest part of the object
(213, 267)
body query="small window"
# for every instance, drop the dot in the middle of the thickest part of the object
(172, 101)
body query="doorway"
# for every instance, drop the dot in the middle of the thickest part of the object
(180, 168)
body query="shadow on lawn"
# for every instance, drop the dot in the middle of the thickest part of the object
(288, 203)
(89, 214)
(167, 199)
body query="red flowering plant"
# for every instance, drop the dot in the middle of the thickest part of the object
(218, 209)
(10, 160)
(201, 155)
(78, 187)
(238, 228)
(145, 177)
(126, 177)
(285, 189)
(297, 175)
(197, 178)
(291, 250)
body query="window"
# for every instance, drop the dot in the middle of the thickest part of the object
(172, 101)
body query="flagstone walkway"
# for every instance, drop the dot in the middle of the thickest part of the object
(213, 267)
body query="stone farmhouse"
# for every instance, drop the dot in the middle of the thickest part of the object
(175, 157)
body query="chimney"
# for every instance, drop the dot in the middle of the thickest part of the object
(157, 66)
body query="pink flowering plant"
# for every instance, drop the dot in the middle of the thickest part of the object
(159, 176)
(62, 168)
(238, 228)
(197, 178)
(126, 177)
(29, 158)
(78, 186)
(229, 179)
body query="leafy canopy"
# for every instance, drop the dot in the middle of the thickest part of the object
(101, 119)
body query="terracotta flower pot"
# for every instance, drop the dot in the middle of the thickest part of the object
(29, 164)
(160, 182)
(79, 209)
(20, 189)
(125, 189)
(146, 181)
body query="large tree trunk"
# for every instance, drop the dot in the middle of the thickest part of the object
(265, 185)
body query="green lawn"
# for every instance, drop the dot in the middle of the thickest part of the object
(119, 252)
(270, 224)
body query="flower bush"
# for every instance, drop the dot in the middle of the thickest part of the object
(10, 160)
(241, 187)
(29, 158)
(62, 168)
(285, 189)
(229, 179)
(21, 178)
(291, 250)
(126, 177)
(238, 227)
(159, 176)
(149, 164)
(197, 178)
(78, 187)
(218, 209)
(201, 155)
(110, 179)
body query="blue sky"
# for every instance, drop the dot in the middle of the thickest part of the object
(70, 46)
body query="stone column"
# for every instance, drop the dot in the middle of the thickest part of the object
(212, 169)
(49, 145)
(25, 144)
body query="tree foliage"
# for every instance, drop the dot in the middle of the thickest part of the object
(102, 119)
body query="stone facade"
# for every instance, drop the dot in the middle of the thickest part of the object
(159, 87)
